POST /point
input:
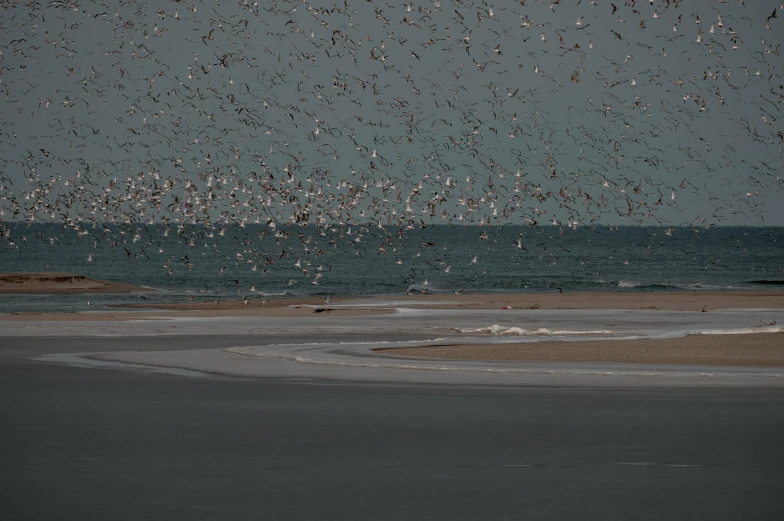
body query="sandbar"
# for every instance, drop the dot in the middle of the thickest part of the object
(234, 306)
(757, 349)
(249, 311)
(49, 283)
(671, 300)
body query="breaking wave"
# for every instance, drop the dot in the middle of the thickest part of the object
(495, 329)
(653, 286)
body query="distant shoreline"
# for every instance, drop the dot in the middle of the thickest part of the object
(256, 305)
(58, 283)
(670, 300)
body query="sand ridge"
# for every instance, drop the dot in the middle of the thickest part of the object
(673, 301)
(48, 283)
(344, 306)
(122, 316)
(759, 349)
(670, 300)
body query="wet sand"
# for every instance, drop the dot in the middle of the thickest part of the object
(50, 283)
(88, 444)
(237, 307)
(303, 307)
(248, 311)
(674, 301)
(718, 350)
(760, 349)
(67, 283)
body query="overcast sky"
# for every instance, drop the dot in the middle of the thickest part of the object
(639, 112)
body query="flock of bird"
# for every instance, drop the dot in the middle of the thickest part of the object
(385, 115)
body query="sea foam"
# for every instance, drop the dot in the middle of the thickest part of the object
(495, 329)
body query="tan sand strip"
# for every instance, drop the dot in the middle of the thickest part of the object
(49, 283)
(248, 311)
(257, 307)
(675, 300)
(759, 349)
(235, 302)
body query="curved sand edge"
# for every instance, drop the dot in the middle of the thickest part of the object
(753, 349)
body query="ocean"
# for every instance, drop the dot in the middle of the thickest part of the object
(204, 264)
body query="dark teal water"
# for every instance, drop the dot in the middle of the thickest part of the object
(203, 264)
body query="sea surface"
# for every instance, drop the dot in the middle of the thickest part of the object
(204, 264)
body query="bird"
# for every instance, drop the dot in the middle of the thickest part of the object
(126, 140)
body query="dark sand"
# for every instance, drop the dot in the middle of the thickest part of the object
(92, 445)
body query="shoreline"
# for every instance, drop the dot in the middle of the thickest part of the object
(377, 305)
(669, 300)
(665, 300)
(22, 283)
(763, 349)
(741, 350)
(162, 314)
(358, 363)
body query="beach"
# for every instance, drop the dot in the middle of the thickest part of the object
(762, 349)
(226, 309)
(665, 300)
(220, 305)
(434, 260)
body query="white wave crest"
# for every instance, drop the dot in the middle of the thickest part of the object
(282, 293)
(495, 329)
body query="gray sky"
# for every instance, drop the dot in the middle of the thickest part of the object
(373, 111)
